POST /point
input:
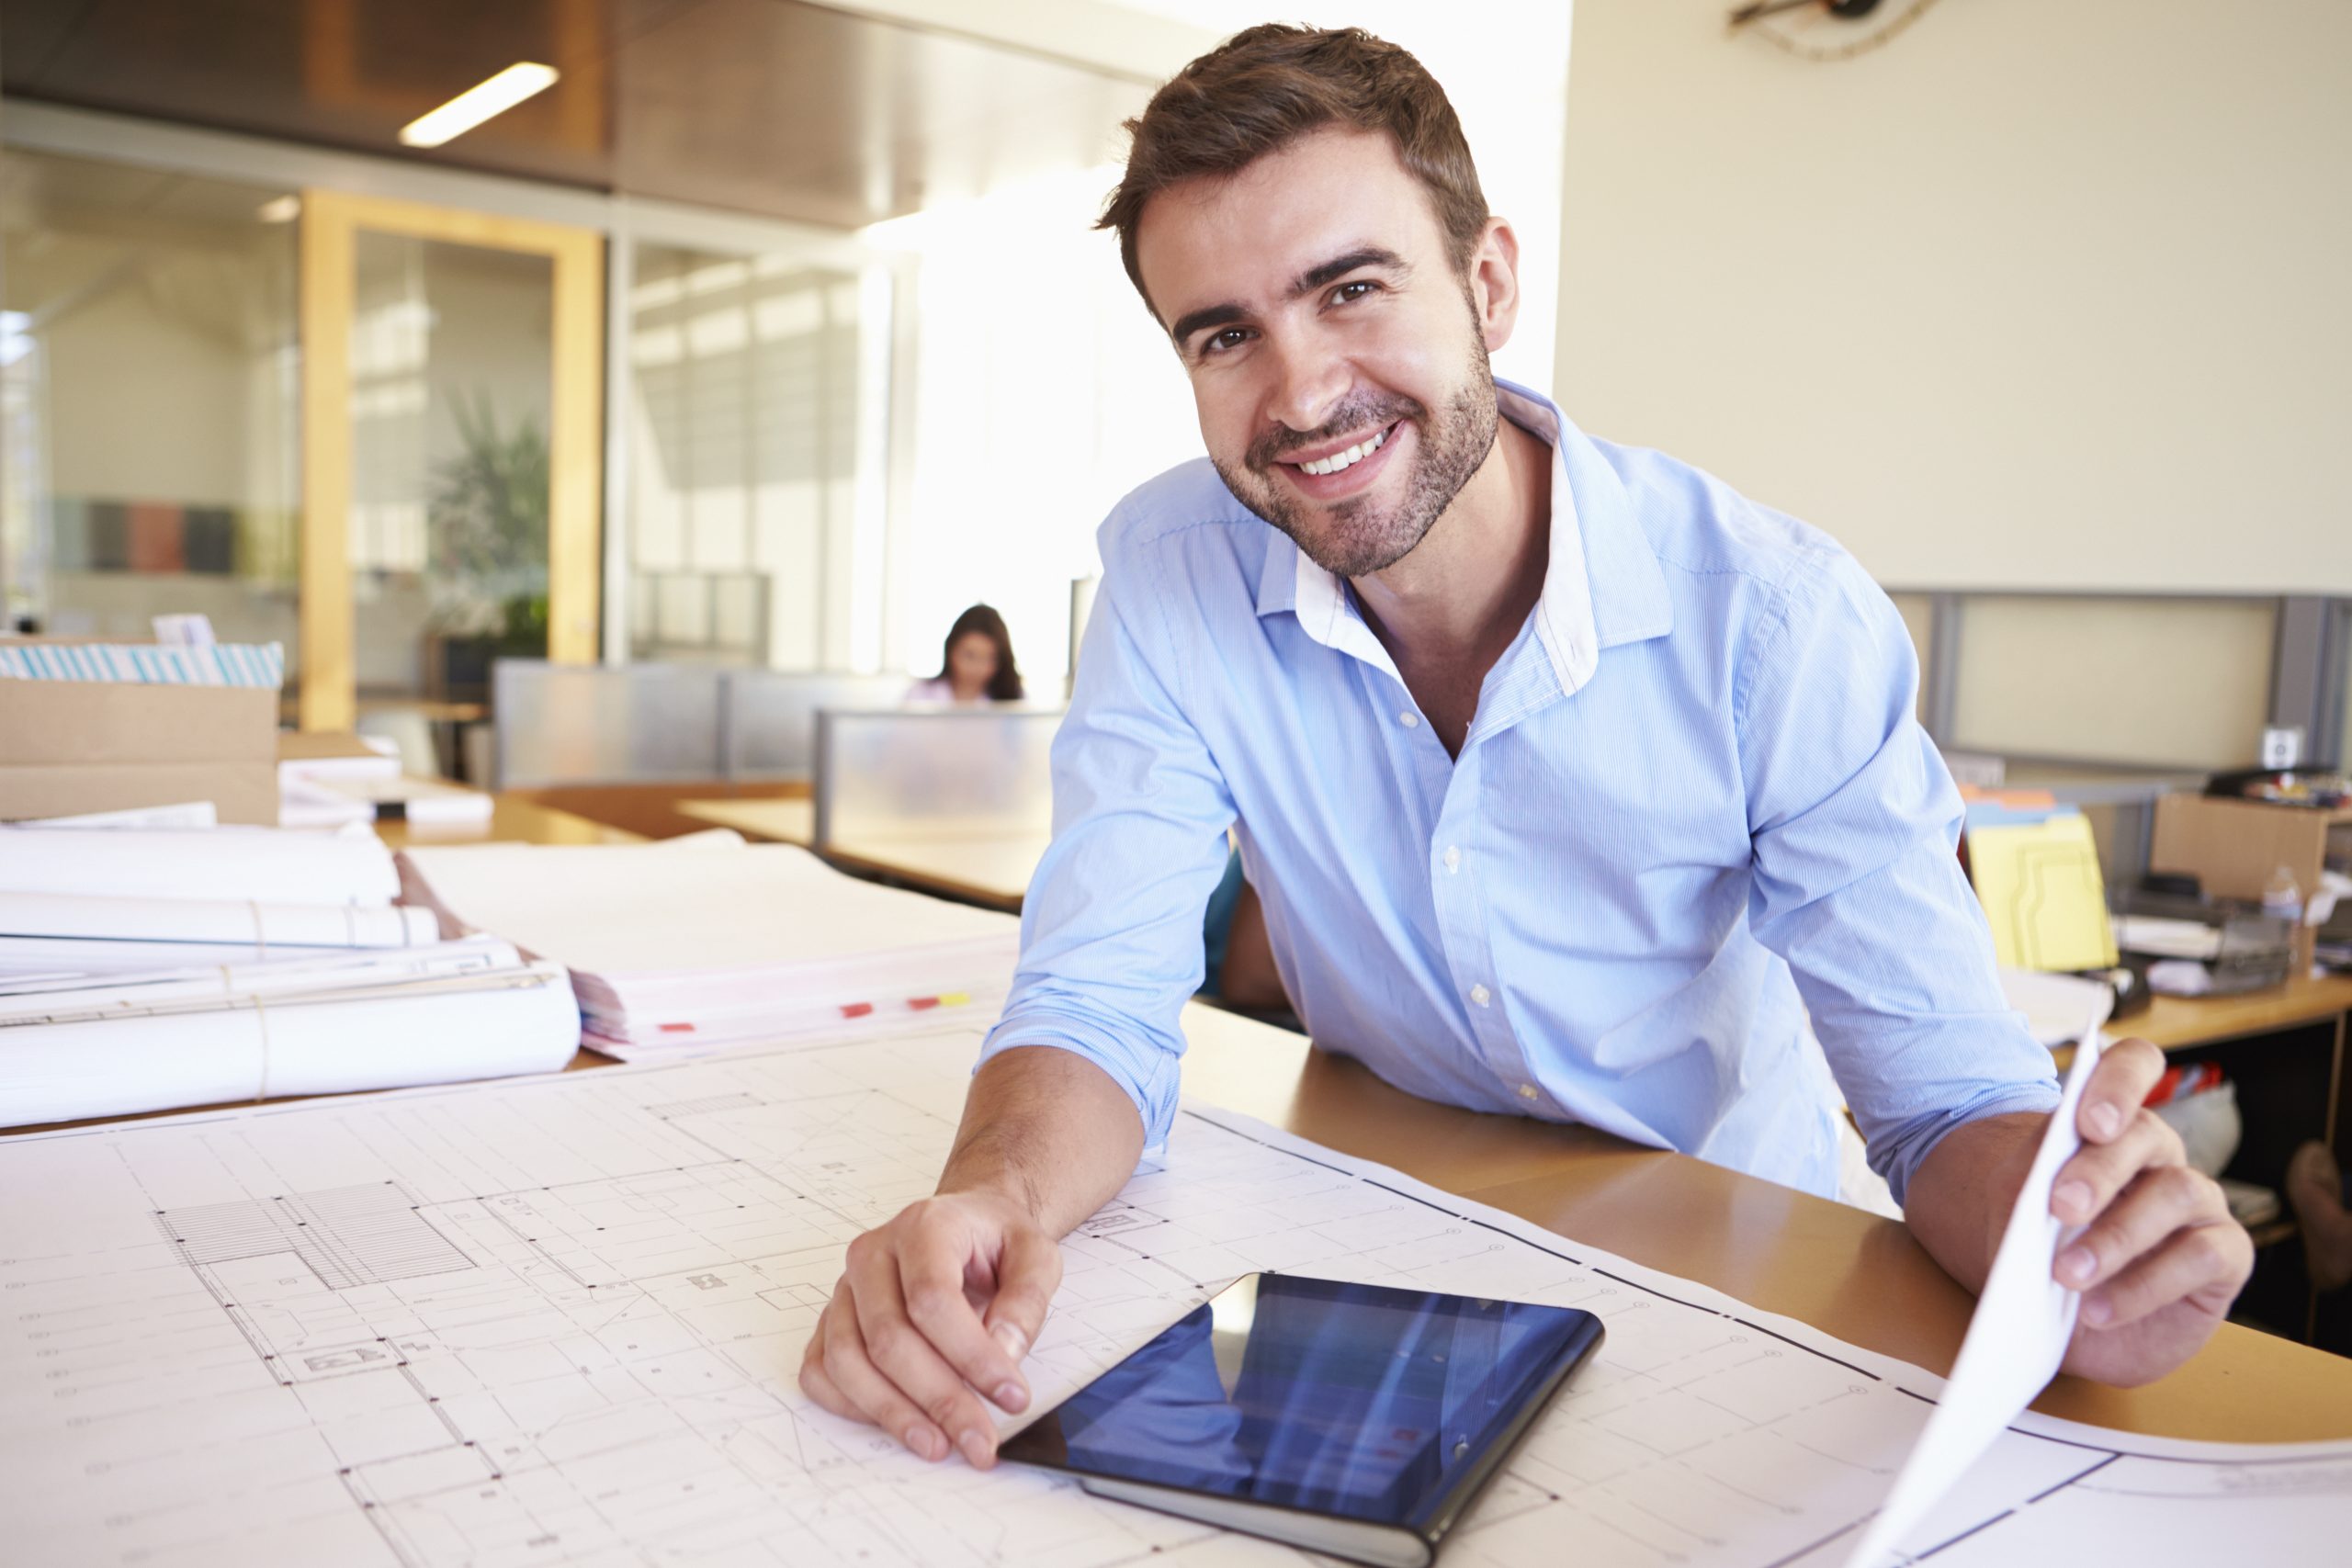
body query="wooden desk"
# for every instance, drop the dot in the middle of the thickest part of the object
(1842, 1269)
(991, 870)
(2180, 1023)
(512, 820)
(778, 821)
(1850, 1273)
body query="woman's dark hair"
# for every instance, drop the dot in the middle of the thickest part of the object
(1005, 686)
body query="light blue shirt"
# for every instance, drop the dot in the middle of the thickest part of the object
(1693, 806)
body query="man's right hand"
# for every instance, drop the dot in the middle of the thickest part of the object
(933, 1312)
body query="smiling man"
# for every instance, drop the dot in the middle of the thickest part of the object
(1572, 781)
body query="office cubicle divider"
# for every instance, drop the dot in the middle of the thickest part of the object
(562, 724)
(658, 723)
(963, 772)
(770, 717)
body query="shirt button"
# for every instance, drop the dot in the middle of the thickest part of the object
(1409, 719)
(1480, 995)
(1453, 857)
(1527, 1091)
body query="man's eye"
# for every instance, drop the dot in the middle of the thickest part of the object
(1218, 342)
(1356, 289)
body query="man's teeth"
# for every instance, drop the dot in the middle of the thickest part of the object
(1349, 458)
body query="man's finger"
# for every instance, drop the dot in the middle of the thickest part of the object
(872, 1396)
(2090, 1181)
(937, 1307)
(824, 1391)
(896, 1351)
(1026, 1277)
(2160, 1201)
(2127, 1070)
(2215, 1258)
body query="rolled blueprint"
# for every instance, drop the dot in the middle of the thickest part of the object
(522, 1022)
(269, 865)
(313, 976)
(216, 921)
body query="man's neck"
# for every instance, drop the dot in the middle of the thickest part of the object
(1460, 596)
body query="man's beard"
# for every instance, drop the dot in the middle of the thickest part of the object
(1361, 538)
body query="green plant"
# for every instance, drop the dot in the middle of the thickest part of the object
(488, 524)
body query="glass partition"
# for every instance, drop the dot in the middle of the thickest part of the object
(592, 724)
(747, 387)
(450, 352)
(770, 717)
(935, 772)
(148, 400)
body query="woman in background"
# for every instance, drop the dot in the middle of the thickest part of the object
(977, 665)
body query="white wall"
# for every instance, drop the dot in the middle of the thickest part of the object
(2045, 295)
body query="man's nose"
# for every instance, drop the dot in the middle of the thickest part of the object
(1309, 384)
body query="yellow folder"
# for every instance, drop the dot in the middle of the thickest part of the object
(2043, 890)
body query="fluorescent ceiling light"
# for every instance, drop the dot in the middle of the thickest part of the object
(279, 209)
(477, 104)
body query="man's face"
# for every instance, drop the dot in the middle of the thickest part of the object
(1337, 357)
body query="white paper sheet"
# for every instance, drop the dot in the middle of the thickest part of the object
(2016, 1336)
(525, 1022)
(187, 814)
(83, 917)
(559, 1319)
(2053, 1005)
(269, 865)
(627, 910)
(699, 945)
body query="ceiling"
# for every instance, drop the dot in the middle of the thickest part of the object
(773, 107)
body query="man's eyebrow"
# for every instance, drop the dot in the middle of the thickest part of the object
(1193, 321)
(1339, 267)
(1308, 282)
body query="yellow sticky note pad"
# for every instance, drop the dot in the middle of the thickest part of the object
(2043, 890)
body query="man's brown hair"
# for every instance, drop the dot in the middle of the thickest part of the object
(1265, 88)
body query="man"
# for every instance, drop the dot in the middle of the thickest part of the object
(1571, 780)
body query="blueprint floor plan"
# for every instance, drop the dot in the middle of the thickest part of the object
(558, 1320)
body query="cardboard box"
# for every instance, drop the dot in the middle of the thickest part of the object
(68, 747)
(2235, 847)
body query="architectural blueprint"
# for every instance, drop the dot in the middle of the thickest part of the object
(558, 1320)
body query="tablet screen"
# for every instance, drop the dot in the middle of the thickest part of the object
(1363, 1400)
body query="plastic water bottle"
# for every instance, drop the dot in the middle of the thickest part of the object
(2282, 897)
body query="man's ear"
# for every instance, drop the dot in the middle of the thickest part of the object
(1494, 283)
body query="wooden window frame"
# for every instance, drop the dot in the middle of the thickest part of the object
(330, 224)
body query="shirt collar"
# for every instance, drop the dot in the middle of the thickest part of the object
(1602, 587)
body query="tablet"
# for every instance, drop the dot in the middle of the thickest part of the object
(1357, 1420)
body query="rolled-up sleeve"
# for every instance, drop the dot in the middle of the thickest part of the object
(1854, 821)
(1110, 929)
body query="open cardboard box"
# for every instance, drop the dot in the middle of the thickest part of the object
(2235, 847)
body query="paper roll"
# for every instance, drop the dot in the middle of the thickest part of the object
(90, 917)
(269, 865)
(65, 1072)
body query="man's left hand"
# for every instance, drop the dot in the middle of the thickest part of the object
(2160, 1259)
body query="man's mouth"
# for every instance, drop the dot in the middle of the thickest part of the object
(1348, 457)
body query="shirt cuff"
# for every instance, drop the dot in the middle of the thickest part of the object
(1147, 1072)
(1899, 1156)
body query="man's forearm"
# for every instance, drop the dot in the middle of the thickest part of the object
(1960, 1198)
(1048, 1129)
